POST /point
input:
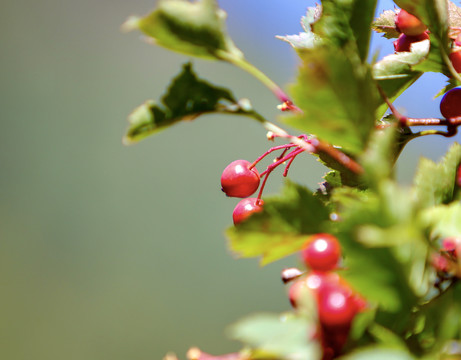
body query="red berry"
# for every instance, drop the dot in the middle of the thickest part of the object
(245, 208)
(336, 305)
(450, 105)
(238, 180)
(409, 24)
(322, 252)
(455, 58)
(403, 43)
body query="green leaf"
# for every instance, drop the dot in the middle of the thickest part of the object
(187, 98)
(192, 28)
(346, 23)
(338, 98)
(379, 232)
(379, 158)
(306, 39)
(378, 353)
(285, 336)
(443, 220)
(442, 320)
(360, 22)
(385, 24)
(435, 183)
(396, 72)
(281, 229)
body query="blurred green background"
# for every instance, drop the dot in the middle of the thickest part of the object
(113, 252)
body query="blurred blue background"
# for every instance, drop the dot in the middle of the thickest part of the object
(113, 252)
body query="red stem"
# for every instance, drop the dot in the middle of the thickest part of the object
(275, 148)
(271, 167)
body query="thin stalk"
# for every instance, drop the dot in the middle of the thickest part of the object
(258, 74)
(275, 148)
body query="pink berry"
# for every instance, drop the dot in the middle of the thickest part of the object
(336, 305)
(409, 24)
(450, 105)
(238, 180)
(246, 208)
(404, 42)
(322, 252)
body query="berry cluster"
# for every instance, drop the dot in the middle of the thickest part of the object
(241, 178)
(412, 30)
(337, 304)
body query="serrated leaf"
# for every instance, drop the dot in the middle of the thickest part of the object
(312, 16)
(338, 98)
(454, 15)
(285, 336)
(187, 98)
(346, 23)
(385, 24)
(378, 232)
(192, 28)
(435, 182)
(443, 220)
(301, 41)
(306, 39)
(282, 227)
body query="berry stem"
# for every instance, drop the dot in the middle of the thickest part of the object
(285, 172)
(272, 166)
(275, 148)
(314, 145)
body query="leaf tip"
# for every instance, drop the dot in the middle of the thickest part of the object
(130, 24)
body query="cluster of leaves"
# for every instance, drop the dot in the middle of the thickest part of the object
(388, 232)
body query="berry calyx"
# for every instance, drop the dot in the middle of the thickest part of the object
(404, 42)
(450, 105)
(336, 305)
(238, 180)
(455, 58)
(246, 208)
(321, 252)
(290, 274)
(409, 24)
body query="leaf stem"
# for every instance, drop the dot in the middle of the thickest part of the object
(258, 74)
